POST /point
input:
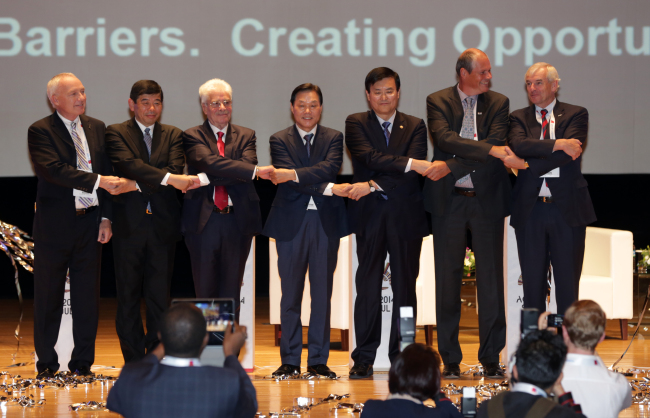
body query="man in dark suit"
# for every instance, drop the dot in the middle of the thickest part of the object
(385, 212)
(468, 188)
(72, 220)
(536, 375)
(147, 215)
(171, 382)
(551, 202)
(307, 221)
(220, 220)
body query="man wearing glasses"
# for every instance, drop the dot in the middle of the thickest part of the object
(220, 219)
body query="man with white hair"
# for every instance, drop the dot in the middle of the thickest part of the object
(220, 220)
(551, 204)
(72, 220)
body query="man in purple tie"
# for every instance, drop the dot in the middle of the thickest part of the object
(72, 220)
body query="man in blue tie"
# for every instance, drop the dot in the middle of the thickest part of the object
(149, 157)
(389, 151)
(72, 220)
(307, 221)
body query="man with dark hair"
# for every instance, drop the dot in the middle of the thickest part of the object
(388, 149)
(468, 189)
(414, 377)
(171, 382)
(601, 392)
(536, 374)
(307, 221)
(551, 206)
(149, 157)
(72, 220)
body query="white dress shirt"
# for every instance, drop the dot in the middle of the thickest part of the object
(600, 392)
(544, 190)
(142, 128)
(180, 362)
(467, 183)
(80, 193)
(328, 189)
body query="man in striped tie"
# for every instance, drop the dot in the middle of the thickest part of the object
(551, 204)
(147, 215)
(72, 220)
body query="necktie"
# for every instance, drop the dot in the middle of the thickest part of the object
(308, 138)
(220, 194)
(545, 131)
(386, 131)
(467, 131)
(82, 162)
(147, 142)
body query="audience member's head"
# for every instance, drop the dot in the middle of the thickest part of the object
(540, 358)
(183, 331)
(584, 325)
(415, 372)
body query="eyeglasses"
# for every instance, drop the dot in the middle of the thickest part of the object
(217, 105)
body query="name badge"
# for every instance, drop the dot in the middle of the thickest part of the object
(555, 173)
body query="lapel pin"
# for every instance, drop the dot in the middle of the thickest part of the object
(479, 113)
(559, 115)
(401, 127)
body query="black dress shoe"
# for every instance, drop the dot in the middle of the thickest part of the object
(451, 371)
(45, 374)
(493, 371)
(360, 371)
(321, 369)
(83, 371)
(286, 370)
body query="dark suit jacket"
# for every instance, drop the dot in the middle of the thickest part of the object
(517, 405)
(464, 156)
(234, 170)
(403, 408)
(55, 162)
(128, 153)
(149, 389)
(373, 160)
(314, 174)
(570, 189)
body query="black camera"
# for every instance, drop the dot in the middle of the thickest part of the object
(468, 402)
(529, 317)
(555, 320)
(406, 327)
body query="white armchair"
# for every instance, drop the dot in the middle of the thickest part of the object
(425, 289)
(607, 273)
(340, 313)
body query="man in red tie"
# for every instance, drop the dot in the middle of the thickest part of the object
(220, 219)
(551, 204)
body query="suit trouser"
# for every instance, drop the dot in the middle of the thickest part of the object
(143, 268)
(309, 249)
(449, 244)
(218, 256)
(372, 246)
(80, 253)
(547, 238)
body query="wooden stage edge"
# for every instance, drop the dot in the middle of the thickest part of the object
(272, 395)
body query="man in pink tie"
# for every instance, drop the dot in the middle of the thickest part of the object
(220, 219)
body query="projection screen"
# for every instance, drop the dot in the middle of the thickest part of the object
(265, 48)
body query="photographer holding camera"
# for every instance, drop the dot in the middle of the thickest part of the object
(536, 374)
(601, 392)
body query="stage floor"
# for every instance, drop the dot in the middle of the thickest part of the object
(272, 395)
